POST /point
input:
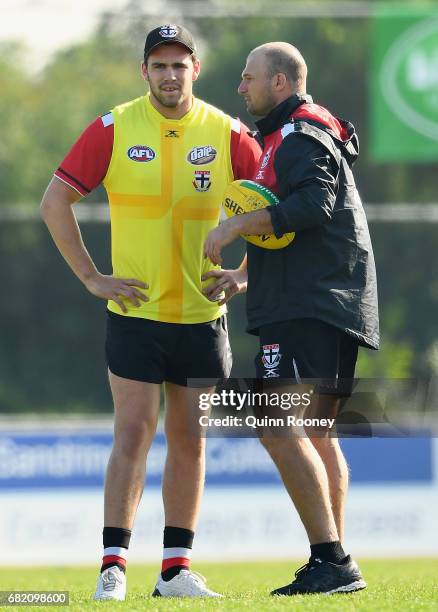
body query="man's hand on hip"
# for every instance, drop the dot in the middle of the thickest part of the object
(115, 289)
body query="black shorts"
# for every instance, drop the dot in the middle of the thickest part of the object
(308, 350)
(152, 351)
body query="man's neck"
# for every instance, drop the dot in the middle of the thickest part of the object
(280, 114)
(285, 96)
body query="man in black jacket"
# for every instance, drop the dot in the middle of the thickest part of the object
(312, 303)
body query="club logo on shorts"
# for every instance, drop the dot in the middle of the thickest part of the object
(199, 156)
(141, 153)
(271, 360)
(168, 31)
(202, 180)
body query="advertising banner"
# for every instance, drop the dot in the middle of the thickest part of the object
(404, 84)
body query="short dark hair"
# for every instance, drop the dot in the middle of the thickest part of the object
(293, 67)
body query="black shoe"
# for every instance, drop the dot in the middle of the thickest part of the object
(323, 577)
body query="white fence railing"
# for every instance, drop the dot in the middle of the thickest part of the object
(98, 213)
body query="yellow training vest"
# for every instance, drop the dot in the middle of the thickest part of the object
(165, 183)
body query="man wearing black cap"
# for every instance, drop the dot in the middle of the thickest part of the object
(165, 160)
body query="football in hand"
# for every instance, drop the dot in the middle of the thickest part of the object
(246, 196)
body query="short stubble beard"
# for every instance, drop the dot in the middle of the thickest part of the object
(162, 100)
(269, 103)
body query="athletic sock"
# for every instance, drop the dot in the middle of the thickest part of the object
(115, 547)
(177, 551)
(328, 551)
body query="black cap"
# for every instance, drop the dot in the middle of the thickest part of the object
(169, 33)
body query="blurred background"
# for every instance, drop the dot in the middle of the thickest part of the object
(62, 64)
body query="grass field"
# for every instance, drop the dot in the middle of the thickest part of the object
(393, 586)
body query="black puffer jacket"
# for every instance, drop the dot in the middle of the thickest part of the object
(328, 271)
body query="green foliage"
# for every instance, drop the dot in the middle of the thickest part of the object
(15, 143)
(394, 360)
(43, 114)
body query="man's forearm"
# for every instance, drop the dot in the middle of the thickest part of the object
(253, 223)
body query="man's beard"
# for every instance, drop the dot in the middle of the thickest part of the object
(164, 101)
(265, 108)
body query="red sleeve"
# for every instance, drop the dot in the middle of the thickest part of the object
(86, 164)
(245, 151)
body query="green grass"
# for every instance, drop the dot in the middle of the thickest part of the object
(393, 586)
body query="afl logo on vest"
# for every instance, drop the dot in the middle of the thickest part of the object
(199, 156)
(141, 153)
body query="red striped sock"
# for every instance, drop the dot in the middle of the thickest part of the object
(176, 557)
(177, 551)
(114, 556)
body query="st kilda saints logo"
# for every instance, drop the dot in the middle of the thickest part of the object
(266, 158)
(271, 360)
(261, 173)
(200, 156)
(202, 180)
(141, 153)
(168, 31)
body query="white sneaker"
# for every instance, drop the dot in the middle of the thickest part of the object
(111, 584)
(184, 584)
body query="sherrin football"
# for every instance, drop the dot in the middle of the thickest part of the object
(246, 196)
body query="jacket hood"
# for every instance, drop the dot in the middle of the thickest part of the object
(341, 130)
